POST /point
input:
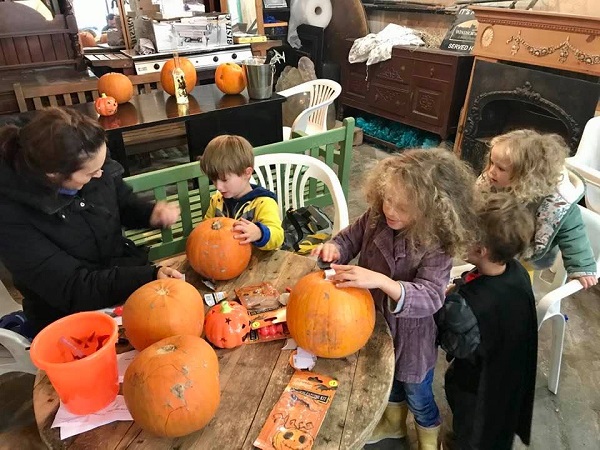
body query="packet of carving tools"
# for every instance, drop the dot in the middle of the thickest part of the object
(297, 416)
(258, 297)
(268, 326)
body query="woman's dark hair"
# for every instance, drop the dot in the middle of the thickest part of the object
(56, 140)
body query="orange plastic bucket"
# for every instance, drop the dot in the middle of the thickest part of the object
(88, 384)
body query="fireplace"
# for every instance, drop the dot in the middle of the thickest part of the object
(520, 87)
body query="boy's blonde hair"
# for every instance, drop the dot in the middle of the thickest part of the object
(440, 191)
(537, 162)
(226, 154)
(506, 227)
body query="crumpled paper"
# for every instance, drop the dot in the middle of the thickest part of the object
(72, 424)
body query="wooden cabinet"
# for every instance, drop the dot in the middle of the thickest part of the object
(424, 88)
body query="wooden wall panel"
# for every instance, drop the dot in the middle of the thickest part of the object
(47, 48)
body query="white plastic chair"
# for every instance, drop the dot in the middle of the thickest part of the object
(14, 348)
(313, 120)
(587, 162)
(554, 290)
(290, 177)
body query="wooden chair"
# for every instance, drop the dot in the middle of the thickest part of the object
(66, 94)
(178, 184)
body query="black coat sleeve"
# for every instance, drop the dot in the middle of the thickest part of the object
(458, 331)
(61, 280)
(134, 212)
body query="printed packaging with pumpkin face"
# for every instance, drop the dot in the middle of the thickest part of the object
(297, 416)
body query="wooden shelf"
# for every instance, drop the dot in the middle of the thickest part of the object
(275, 24)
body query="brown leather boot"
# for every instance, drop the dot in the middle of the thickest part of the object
(392, 424)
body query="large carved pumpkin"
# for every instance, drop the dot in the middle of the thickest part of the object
(227, 324)
(230, 78)
(160, 309)
(166, 75)
(328, 321)
(172, 387)
(116, 85)
(213, 252)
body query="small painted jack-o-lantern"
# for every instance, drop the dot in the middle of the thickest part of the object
(288, 439)
(227, 324)
(105, 106)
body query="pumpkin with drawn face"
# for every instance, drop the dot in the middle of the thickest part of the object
(289, 439)
(106, 106)
(227, 324)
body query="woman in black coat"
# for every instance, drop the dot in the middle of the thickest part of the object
(63, 204)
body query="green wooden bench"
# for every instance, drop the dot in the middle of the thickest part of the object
(188, 185)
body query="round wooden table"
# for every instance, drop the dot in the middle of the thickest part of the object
(252, 378)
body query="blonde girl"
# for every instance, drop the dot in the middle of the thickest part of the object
(420, 214)
(530, 166)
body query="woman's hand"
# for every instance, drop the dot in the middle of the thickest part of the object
(587, 281)
(246, 231)
(164, 214)
(327, 252)
(168, 272)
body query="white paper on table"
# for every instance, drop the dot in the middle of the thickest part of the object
(123, 361)
(290, 344)
(71, 424)
(304, 359)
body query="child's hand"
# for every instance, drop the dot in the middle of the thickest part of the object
(246, 231)
(587, 281)
(164, 214)
(327, 252)
(356, 276)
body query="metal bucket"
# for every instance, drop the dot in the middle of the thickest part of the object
(259, 77)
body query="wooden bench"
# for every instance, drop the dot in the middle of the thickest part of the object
(66, 94)
(191, 188)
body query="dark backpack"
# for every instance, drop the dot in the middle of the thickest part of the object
(305, 228)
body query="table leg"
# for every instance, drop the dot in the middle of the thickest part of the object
(116, 146)
(260, 123)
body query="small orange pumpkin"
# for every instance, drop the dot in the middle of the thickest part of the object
(106, 106)
(227, 324)
(214, 253)
(172, 387)
(86, 39)
(230, 78)
(117, 86)
(328, 321)
(160, 309)
(166, 75)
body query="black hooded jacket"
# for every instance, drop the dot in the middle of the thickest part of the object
(67, 253)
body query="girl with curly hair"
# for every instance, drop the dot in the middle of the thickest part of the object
(531, 167)
(420, 215)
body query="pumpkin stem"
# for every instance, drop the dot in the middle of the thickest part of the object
(225, 307)
(103, 95)
(216, 225)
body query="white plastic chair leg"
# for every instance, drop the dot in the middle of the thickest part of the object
(558, 340)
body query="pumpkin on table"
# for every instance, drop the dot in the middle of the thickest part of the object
(230, 78)
(86, 39)
(328, 321)
(116, 85)
(227, 324)
(214, 253)
(172, 387)
(166, 75)
(160, 309)
(105, 106)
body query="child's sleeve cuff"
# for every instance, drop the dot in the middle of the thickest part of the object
(266, 235)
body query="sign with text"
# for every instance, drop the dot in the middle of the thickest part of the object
(462, 33)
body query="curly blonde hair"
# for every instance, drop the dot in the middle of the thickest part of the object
(537, 163)
(440, 193)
